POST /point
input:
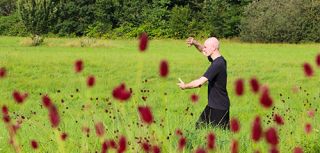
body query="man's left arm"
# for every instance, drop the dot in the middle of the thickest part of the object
(193, 84)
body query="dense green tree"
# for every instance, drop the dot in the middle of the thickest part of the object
(7, 7)
(35, 15)
(282, 21)
(73, 17)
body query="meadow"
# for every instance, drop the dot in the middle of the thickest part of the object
(49, 70)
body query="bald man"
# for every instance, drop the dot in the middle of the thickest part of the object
(216, 113)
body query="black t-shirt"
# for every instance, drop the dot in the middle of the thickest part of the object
(217, 87)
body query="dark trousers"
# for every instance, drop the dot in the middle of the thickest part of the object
(214, 117)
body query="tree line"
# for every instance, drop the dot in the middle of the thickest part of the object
(250, 20)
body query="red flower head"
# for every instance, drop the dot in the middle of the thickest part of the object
(311, 113)
(308, 71)
(146, 147)
(164, 68)
(194, 98)
(34, 144)
(78, 66)
(2, 72)
(99, 129)
(254, 85)
(239, 87)
(272, 136)
(256, 131)
(308, 128)
(179, 132)
(156, 149)
(46, 101)
(121, 93)
(145, 114)
(265, 98)
(234, 146)
(122, 144)
(297, 150)
(182, 143)
(278, 119)
(235, 125)
(19, 97)
(211, 138)
(318, 60)
(91, 80)
(64, 136)
(143, 44)
(54, 116)
(5, 114)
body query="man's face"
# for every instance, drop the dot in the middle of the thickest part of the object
(209, 48)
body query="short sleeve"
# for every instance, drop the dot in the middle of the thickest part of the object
(212, 71)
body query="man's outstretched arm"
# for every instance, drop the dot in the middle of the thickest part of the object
(193, 84)
(191, 41)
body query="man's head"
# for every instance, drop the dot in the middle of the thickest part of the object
(210, 46)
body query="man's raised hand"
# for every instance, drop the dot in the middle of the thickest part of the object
(190, 41)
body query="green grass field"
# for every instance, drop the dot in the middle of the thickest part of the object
(49, 69)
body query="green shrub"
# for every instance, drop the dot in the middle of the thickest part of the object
(281, 21)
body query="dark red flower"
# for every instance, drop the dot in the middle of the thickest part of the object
(256, 131)
(145, 114)
(200, 150)
(112, 144)
(274, 149)
(121, 93)
(46, 101)
(164, 68)
(143, 44)
(182, 143)
(107, 144)
(64, 136)
(308, 128)
(265, 98)
(91, 80)
(272, 136)
(5, 110)
(235, 125)
(318, 60)
(54, 116)
(19, 97)
(78, 66)
(297, 150)
(34, 144)
(105, 147)
(6, 118)
(254, 85)
(99, 129)
(179, 132)
(156, 149)
(211, 141)
(5, 114)
(234, 146)
(122, 144)
(311, 113)
(239, 87)
(308, 71)
(194, 98)
(278, 119)
(146, 147)
(2, 72)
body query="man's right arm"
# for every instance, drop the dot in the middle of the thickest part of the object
(191, 41)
